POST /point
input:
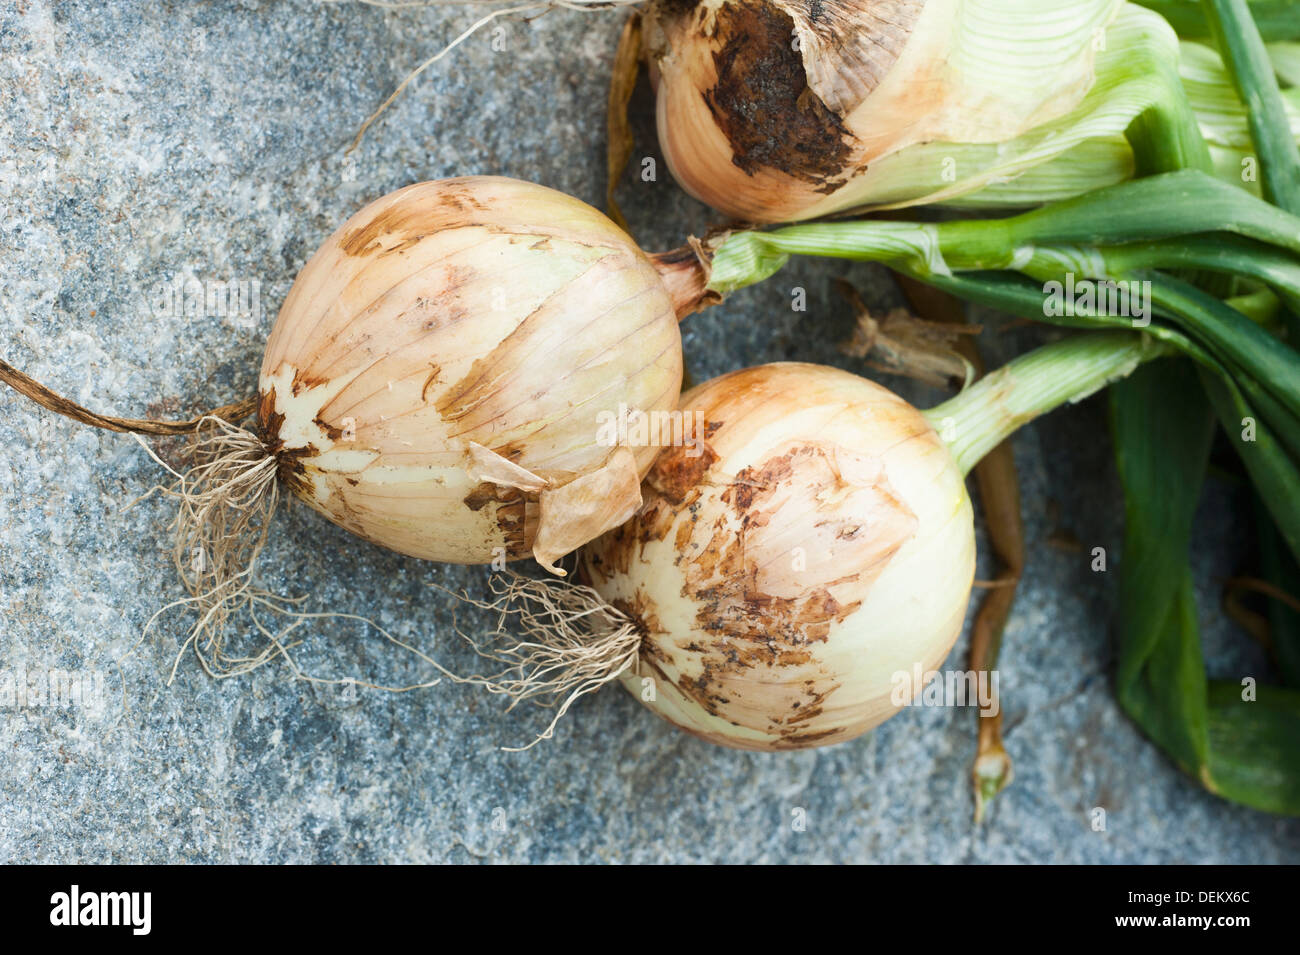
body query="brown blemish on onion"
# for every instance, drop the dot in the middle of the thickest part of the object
(518, 522)
(804, 740)
(484, 494)
(292, 470)
(742, 626)
(333, 432)
(671, 486)
(641, 612)
(763, 105)
(289, 462)
(678, 470)
(434, 372)
(269, 421)
(365, 239)
(305, 382)
(406, 223)
(514, 514)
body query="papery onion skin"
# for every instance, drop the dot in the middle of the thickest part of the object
(441, 364)
(822, 544)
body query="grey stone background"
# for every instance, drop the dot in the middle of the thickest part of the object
(142, 142)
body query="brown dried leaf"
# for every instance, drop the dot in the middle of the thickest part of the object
(903, 344)
(622, 82)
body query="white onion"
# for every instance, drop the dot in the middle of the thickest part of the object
(780, 110)
(437, 375)
(820, 544)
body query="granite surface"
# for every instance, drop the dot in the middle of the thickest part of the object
(145, 144)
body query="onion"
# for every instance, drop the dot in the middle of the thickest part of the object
(436, 377)
(442, 380)
(800, 564)
(822, 542)
(445, 378)
(780, 110)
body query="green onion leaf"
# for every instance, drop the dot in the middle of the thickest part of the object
(1277, 19)
(1248, 63)
(1161, 677)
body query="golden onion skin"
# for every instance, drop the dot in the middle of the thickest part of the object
(822, 543)
(454, 337)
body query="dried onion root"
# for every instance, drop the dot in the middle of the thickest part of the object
(582, 644)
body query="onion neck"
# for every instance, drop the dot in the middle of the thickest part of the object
(686, 272)
(987, 413)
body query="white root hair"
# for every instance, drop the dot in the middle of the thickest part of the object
(574, 643)
(227, 498)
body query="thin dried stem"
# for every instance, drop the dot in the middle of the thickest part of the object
(537, 8)
(31, 388)
(574, 643)
(999, 487)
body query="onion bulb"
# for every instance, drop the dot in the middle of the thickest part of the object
(819, 542)
(801, 557)
(451, 376)
(437, 377)
(779, 110)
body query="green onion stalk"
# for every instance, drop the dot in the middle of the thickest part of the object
(1181, 92)
(984, 415)
(1277, 20)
